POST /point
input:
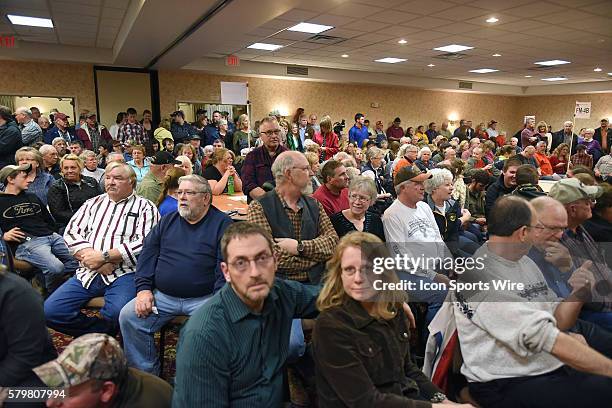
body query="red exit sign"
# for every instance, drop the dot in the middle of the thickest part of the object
(7, 41)
(232, 61)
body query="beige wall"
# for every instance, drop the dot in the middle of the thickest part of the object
(413, 106)
(118, 91)
(47, 79)
(45, 104)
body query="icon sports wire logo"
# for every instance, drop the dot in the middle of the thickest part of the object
(7, 41)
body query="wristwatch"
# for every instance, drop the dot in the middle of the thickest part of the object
(106, 256)
(300, 247)
(438, 397)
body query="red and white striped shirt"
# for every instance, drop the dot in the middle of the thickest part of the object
(103, 224)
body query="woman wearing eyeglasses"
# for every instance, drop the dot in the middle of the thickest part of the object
(361, 338)
(362, 194)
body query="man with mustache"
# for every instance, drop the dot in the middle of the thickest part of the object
(305, 237)
(106, 236)
(174, 275)
(257, 167)
(234, 349)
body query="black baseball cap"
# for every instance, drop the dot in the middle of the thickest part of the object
(162, 157)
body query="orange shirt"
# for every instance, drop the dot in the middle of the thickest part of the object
(544, 163)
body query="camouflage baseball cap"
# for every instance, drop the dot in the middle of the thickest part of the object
(94, 356)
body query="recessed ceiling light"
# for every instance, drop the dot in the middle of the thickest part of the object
(402, 41)
(391, 60)
(344, 55)
(496, 55)
(555, 79)
(552, 62)
(492, 20)
(483, 70)
(264, 46)
(609, 73)
(598, 69)
(310, 28)
(431, 65)
(454, 48)
(528, 76)
(30, 21)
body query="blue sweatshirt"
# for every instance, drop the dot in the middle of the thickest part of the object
(181, 259)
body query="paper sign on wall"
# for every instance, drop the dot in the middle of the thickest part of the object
(234, 93)
(583, 110)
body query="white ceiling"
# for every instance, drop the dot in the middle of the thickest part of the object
(579, 31)
(86, 23)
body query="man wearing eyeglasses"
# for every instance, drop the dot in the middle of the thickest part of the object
(578, 200)
(177, 271)
(257, 167)
(234, 349)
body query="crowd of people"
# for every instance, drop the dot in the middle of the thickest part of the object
(288, 296)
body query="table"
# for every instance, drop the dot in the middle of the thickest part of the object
(236, 202)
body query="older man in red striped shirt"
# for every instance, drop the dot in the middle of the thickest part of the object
(105, 235)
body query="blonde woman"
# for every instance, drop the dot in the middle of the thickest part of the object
(68, 193)
(186, 164)
(219, 171)
(362, 335)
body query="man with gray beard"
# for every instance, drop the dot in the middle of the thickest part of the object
(304, 235)
(177, 272)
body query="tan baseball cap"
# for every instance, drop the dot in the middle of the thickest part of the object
(411, 173)
(11, 170)
(93, 356)
(571, 189)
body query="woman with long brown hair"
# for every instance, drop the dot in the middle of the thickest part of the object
(167, 201)
(327, 139)
(559, 159)
(361, 337)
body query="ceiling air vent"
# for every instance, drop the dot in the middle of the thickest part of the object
(465, 85)
(325, 39)
(295, 70)
(451, 56)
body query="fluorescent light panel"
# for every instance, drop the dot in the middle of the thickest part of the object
(552, 63)
(492, 20)
(390, 60)
(30, 21)
(265, 47)
(310, 28)
(454, 48)
(484, 70)
(554, 79)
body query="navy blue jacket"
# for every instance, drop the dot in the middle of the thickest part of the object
(181, 259)
(10, 142)
(52, 133)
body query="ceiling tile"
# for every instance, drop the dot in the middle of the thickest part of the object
(74, 17)
(574, 3)
(461, 13)
(332, 20)
(298, 15)
(538, 8)
(107, 23)
(343, 33)
(520, 26)
(393, 17)
(65, 7)
(425, 7)
(290, 35)
(400, 31)
(350, 10)
(600, 9)
(374, 37)
(26, 4)
(118, 4)
(112, 13)
(498, 5)
(455, 28)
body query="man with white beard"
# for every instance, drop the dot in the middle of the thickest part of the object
(177, 272)
(304, 235)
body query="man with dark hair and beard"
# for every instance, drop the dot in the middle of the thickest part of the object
(174, 275)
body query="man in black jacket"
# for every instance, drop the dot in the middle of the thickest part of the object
(565, 135)
(605, 131)
(28, 226)
(10, 137)
(505, 184)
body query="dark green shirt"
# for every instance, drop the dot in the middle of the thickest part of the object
(229, 356)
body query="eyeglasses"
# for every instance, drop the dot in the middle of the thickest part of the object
(358, 197)
(189, 193)
(305, 168)
(351, 270)
(274, 132)
(261, 261)
(554, 230)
